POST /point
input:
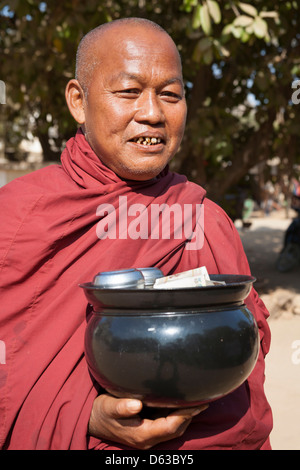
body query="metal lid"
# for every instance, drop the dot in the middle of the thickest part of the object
(123, 278)
(150, 275)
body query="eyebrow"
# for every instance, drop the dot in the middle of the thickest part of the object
(132, 76)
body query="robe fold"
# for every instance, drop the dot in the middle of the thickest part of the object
(55, 236)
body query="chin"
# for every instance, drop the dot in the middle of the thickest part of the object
(140, 174)
(139, 177)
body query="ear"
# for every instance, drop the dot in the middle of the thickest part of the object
(75, 100)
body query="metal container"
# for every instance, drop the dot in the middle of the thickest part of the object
(121, 279)
(173, 347)
(150, 275)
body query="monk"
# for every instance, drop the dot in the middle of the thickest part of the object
(128, 100)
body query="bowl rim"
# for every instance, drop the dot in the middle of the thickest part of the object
(232, 278)
(236, 291)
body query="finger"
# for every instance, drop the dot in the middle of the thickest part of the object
(121, 407)
(189, 412)
(177, 422)
(171, 426)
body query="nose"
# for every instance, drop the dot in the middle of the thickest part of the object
(149, 108)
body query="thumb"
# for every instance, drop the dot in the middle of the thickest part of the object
(127, 407)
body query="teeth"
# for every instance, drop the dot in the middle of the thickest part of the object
(148, 140)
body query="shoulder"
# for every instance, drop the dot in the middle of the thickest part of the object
(191, 192)
(19, 197)
(213, 210)
(50, 179)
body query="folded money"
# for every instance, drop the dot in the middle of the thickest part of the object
(197, 277)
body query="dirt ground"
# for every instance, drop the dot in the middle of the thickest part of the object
(281, 294)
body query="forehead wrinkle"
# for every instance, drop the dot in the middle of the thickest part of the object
(139, 78)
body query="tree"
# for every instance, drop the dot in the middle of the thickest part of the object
(240, 60)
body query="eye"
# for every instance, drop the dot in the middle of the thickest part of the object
(171, 96)
(129, 93)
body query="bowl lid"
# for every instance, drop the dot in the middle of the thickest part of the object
(123, 278)
(150, 274)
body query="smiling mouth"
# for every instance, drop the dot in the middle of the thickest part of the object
(148, 141)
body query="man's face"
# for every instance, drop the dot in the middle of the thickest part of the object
(134, 107)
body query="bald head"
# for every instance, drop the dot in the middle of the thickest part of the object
(97, 41)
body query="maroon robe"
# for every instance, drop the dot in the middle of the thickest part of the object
(49, 244)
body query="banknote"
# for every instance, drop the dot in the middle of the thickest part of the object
(197, 277)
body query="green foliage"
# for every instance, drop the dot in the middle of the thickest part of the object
(239, 62)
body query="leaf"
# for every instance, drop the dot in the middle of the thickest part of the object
(243, 21)
(188, 5)
(196, 22)
(260, 27)
(237, 32)
(208, 57)
(205, 19)
(249, 29)
(245, 36)
(227, 30)
(249, 9)
(224, 51)
(214, 11)
(269, 14)
(204, 44)
(201, 48)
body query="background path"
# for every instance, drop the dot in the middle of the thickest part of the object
(281, 294)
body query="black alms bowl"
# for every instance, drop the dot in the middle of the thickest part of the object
(172, 348)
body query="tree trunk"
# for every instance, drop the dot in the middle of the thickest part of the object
(49, 155)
